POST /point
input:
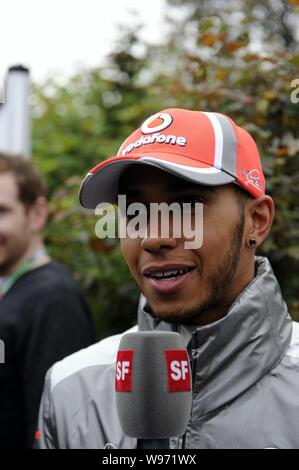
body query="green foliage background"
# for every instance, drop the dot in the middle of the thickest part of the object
(239, 58)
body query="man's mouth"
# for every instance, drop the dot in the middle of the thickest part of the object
(167, 274)
(167, 278)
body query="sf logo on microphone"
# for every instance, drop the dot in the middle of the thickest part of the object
(178, 369)
(124, 365)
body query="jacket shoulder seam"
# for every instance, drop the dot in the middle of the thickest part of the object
(99, 354)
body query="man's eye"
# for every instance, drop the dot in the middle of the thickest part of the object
(138, 212)
(190, 201)
(130, 216)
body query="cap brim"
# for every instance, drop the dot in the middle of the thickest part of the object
(101, 185)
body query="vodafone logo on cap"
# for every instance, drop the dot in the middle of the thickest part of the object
(178, 369)
(156, 123)
(124, 367)
(153, 125)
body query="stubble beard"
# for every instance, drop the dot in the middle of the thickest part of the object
(9, 261)
(219, 283)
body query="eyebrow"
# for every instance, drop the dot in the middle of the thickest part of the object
(131, 193)
(4, 205)
(171, 187)
(183, 185)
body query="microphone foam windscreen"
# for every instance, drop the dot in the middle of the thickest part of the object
(153, 385)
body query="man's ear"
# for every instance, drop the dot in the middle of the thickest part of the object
(260, 216)
(38, 214)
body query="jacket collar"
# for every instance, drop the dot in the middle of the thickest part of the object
(232, 354)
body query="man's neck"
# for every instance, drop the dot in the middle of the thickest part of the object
(34, 247)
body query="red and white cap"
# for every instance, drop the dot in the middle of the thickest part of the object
(202, 147)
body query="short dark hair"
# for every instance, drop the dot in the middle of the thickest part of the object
(242, 196)
(29, 182)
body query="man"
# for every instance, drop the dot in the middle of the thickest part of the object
(224, 301)
(43, 315)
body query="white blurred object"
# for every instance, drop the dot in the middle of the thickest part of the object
(15, 115)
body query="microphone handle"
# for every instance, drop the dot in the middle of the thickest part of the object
(153, 444)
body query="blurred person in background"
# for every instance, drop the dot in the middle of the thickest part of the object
(43, 314)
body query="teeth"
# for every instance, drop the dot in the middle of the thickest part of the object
(176, 272)
(171, 273)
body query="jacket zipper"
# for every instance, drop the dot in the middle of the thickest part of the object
(193, 360)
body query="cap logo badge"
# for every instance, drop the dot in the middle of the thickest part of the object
(156, 123)
(253, 177)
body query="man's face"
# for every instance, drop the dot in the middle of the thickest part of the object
(15, 232)
(213, 275)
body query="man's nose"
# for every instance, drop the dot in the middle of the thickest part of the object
(155, 245)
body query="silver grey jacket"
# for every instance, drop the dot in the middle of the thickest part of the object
(245, 380)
